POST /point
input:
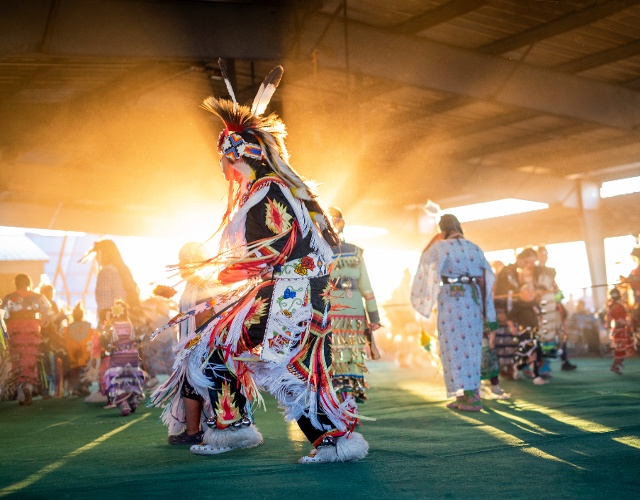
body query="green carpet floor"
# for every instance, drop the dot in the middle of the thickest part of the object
(576, 437)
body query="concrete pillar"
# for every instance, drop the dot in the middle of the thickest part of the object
(591, 227)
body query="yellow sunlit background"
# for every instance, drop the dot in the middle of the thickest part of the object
(493, 209)
(148, 257)
(620, 187)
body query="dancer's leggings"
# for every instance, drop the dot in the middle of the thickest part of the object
(224, 389)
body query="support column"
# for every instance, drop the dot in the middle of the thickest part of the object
(591, 228)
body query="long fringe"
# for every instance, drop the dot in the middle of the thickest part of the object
(297, 397)
(237, 326)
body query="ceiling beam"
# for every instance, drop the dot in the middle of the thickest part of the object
(503, 120)
(367, 93)
(575, 66)
(538, 138)
(568, 22)
(585, 156)
(7, 91)
(551, 29)
(426, 64)
(136, 82)
(162, 29)
(601, 58)
(438, 15)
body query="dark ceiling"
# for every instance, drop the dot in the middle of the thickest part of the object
(388, 106)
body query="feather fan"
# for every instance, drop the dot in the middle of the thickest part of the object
(266, 90)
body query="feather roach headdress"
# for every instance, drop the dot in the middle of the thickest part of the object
(248, 134)
(251, 137)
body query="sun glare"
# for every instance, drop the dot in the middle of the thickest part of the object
(619, 261)
(493, 209)
(363, 232)
(619, 187)
(386, 266)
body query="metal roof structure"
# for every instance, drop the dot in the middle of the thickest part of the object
(17, 247)
(389, 104)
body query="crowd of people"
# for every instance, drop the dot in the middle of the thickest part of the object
(508, 321)
(255, 317)
(285, 307)
(50, 352)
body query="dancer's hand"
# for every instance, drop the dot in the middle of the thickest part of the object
(374, 353)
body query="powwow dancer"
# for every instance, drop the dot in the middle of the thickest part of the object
(454, 275)
(23, 313)
(194, 293)
(490, 367)
(619, 322)
(271, 328)
(633, 280)
(78, 337)
(553, 331)
(506, 342)
(354, 317)
(113, 282)
(124, 380)
(526, 314)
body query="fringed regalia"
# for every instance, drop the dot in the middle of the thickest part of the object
(525, 315)
(529, 350)
(551, 327)
(272, 332)
(349, 320)
(270, 326)
(124, 379)
(506, 346)
(23, 309)
(620, 330)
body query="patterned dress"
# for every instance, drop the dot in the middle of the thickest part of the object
(124, 380)
(621, 332)
(462, 307)
(521, 314)
(349, 318)
(23, 310)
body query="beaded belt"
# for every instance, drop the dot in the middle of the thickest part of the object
(465, 280)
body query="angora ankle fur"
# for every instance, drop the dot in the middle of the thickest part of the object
(245, 437)
(347, 448)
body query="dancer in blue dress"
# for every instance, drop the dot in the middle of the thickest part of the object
(455, 277)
